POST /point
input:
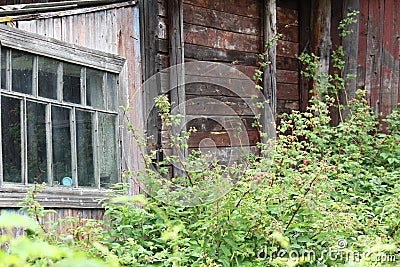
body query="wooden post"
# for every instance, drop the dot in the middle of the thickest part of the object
(269, 77)
(177, 75)
(150, 66)
(350, 49)
(305, 36)
(321, 33)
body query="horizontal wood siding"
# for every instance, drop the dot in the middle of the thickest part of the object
(288, 49)
(228, 32)
(231, 32)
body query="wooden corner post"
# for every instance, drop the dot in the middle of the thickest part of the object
(177, 77)
(150, 67)
(269, 77)
(321, 43)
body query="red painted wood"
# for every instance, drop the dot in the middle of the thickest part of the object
(390, 59)
(373, 57)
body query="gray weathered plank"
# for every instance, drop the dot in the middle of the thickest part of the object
(177, 74)
(269, 77)
(350, 50)
(38, 44)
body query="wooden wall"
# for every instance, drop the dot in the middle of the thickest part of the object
(231, 32)
(378, 53)
(287, 65)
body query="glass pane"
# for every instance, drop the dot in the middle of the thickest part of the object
(72, 83)
(84, 146)
(3, 68)
(108, 150)
(94, 88)
(61, 144)
(36, 132)
(11, 139)
(112, 91)
(22, 68)
(47, 77)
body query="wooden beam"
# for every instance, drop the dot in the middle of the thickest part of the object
(336, 15)
(321, 43)
(177, 74)
(269, 79)
(350, 49)
(50, 47)
(150, 66)
(10, 10)
(304, 41)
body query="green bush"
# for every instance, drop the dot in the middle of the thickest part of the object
(320, 195)
(325, 189)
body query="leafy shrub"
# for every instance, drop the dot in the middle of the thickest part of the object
(327, 196)
(325, 188)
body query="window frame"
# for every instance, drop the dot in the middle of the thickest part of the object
(53, 195)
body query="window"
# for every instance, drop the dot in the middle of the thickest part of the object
(59, 118)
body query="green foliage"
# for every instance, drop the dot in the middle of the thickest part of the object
(326, 196)
(323, 186)
(35, 249)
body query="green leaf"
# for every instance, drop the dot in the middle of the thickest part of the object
(10, 220)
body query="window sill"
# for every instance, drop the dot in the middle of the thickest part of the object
(53, 197)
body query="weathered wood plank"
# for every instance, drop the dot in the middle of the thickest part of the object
(289, 32)
(64, 13)
(150, 66)
(268, 116)
(362, 43)
(287, 91)
(238, 84)
(336, 17)
(287, 76)
(286, 106)
(247, 8)
(215, 38)
(223, 138)
(220, 105)
(390, 59)
(220, 20)
(162, 8)
(220, 123)
(350, 50)
(374, 55)
(320, 39)
(287, 63)
(287, 49)
(57, 196)
(286, 16)
(177, 76)
(41, 45)
(249, 71)
(304, 44)
(211, 89)
(220, 55)
(163, 31)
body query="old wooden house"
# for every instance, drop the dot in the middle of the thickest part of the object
(67, 67)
